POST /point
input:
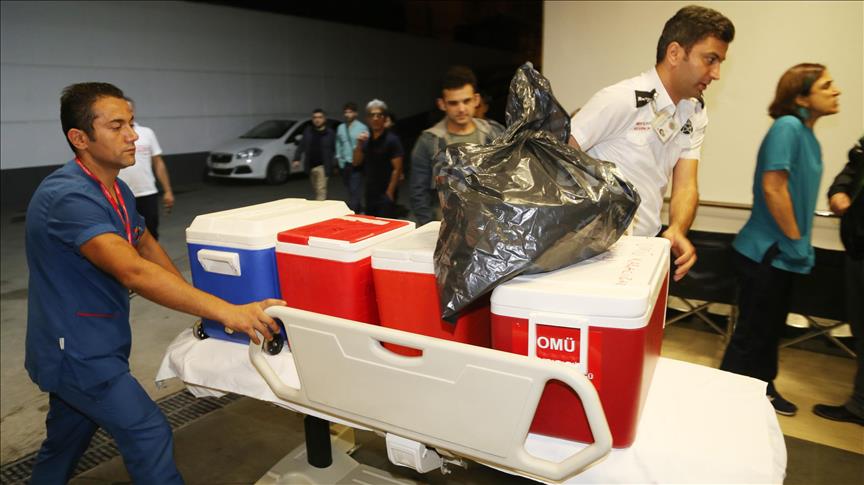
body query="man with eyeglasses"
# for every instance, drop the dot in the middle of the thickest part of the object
(319, 146)
(380, 156)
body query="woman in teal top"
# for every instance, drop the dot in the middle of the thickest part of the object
(774, 245)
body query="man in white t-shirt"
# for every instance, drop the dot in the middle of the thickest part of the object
(652, 126)
(140, 176)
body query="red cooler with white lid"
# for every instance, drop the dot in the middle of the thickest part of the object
(326, 267)
(604, 315)
(404, 273)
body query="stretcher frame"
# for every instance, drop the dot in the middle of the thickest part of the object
(464, 401)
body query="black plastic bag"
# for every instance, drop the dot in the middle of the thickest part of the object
(526, 203)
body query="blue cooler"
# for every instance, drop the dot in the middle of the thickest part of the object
(232, 254)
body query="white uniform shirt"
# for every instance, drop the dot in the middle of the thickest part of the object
(140, 177)
(615, 125)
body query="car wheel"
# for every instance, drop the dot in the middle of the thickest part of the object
(277, 171)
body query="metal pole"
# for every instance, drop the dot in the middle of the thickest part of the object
(318, 452)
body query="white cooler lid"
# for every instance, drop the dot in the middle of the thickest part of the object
(256, 226)
(621, 283)
(412, 253)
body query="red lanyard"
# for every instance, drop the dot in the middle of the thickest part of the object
(107, 195)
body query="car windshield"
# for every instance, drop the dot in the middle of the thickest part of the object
(270, 129)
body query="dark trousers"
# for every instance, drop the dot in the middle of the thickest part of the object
(123, 409)
(353, 179)
(422, 194)
(380, 205)
(148, 206)
(763, 303)
(855, 313)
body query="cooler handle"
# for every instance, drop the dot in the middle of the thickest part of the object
(220, 262)
(560, 320)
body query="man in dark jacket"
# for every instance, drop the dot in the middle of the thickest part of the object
(319, 147)
(846, 198)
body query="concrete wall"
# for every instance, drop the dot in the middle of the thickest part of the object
(199, 73)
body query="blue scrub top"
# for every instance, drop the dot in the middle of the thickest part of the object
(792, 147)
(78, 316)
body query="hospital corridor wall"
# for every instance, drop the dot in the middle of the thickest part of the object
(200, 74)
(590, 45)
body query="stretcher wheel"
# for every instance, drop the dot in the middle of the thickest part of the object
(198, 330)
(274, 346)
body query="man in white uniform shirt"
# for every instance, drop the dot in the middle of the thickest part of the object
(652, 126)
(140, 176)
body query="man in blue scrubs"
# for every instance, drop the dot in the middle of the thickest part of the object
(86, 246)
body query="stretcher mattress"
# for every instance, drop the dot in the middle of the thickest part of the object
(699, 425)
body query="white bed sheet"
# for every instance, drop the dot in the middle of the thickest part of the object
(699, 425)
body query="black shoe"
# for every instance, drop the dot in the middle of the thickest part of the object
(837, 413)
(781, 405)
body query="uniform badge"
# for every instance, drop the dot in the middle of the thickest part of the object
(665, 126)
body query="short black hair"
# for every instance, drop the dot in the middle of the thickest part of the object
(690, 25)
(350, 105)
(319, 110)
(76, 106)
(458, 76)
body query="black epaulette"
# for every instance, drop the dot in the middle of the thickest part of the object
(644, 97)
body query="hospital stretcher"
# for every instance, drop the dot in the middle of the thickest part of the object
(459, 402)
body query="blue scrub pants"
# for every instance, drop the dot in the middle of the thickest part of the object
(126, 412)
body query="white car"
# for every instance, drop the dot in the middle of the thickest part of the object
(264, 152)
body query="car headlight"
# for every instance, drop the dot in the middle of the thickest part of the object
(249, 153)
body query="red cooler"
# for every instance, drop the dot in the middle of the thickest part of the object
(326, 267)
(404, 276)
(605, 316)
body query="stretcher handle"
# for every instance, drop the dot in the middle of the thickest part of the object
(587, 456)
(521, 460)
(259, 360)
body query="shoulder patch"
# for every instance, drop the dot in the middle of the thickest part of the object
(687, 128)
(644, 97)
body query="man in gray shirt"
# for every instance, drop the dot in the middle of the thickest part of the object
(459, 99)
